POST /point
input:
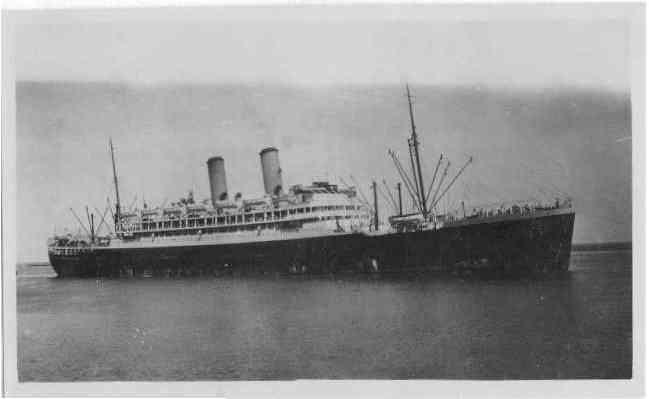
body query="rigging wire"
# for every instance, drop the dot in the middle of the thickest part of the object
(386, 198)
(360, 191)
(394, 202)
(404, 178)
(79, 221)
(441, 181)
(432, 182)
(448, 187)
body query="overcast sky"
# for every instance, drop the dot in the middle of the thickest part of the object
(297, 46)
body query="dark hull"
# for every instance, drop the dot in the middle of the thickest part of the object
(539, 244)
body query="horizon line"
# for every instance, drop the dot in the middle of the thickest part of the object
(323, 85)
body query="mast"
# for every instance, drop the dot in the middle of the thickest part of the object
(415, 145)
(376, 208)
(413, 167)
(91, 223)
(117, 210)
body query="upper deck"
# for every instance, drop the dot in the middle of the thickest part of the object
(304, 205)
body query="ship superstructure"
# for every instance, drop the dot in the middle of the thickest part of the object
(302, 211)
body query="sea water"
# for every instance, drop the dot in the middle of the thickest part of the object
(415, 326)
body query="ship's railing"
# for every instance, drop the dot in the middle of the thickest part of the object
(246, 219)
(514, 209)
(349, 223)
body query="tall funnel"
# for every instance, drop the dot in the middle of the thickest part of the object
(271, 171)
(218, 185)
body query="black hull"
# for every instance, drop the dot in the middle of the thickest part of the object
(540, 244)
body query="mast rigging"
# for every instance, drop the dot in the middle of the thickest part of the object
(387, 189)
(103, 218)
(439, 185)
(432, 182)
(404, 176)
(79, 221)
(415, 145)
(453, 181)
(117, 206)
(360, 191)
(400, 201)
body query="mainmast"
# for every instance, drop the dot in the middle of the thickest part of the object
(415, 144)
(117, 208)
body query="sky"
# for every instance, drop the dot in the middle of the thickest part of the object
(300, 48)
(541, 103)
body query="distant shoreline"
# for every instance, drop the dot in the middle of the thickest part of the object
(35, 263)
(603, 246)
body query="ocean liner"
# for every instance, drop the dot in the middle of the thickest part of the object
(319, 228)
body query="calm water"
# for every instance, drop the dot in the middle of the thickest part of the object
(363, 327)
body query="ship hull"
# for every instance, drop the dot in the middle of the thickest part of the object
(537, 244)
(529, 245)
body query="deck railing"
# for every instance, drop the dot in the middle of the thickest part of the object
(242, 220)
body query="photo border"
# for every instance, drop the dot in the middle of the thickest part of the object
(633, 12)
